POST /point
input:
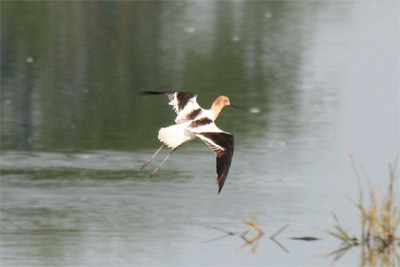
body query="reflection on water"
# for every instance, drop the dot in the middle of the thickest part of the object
(315, 79)
(74, 83)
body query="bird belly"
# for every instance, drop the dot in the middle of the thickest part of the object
(175, 135)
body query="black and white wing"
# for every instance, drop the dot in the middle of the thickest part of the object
(183, 103)
(222, 143)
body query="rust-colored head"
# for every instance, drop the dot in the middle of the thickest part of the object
(218, 104)
(222, 101)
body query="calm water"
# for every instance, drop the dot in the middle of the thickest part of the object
(315, 80)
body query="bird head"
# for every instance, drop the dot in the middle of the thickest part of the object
(223, 101)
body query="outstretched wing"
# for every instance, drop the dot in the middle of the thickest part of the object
(183, 103)
(222, 143)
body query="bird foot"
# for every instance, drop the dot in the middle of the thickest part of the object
(145, 164)
(154, 172)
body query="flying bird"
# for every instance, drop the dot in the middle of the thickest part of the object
(193, 121)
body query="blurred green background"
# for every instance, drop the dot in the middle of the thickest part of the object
(71, 71)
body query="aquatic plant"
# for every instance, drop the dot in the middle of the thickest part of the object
(379, 220)
(254, 225)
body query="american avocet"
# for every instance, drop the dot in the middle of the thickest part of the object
(193, 121)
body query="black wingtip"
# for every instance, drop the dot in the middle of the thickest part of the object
(220, 188)
(142, 93)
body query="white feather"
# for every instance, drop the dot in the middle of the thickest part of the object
(175, 135)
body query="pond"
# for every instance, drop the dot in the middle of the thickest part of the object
(315, 80)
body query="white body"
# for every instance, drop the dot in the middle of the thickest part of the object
(175, 135)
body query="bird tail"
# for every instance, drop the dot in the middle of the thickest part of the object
(175, 135)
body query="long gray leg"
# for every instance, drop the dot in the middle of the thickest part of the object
(162, 163)
(152, 157)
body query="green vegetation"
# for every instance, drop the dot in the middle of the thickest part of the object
(379, 220)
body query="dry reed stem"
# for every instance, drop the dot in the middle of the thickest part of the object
(379, 219)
